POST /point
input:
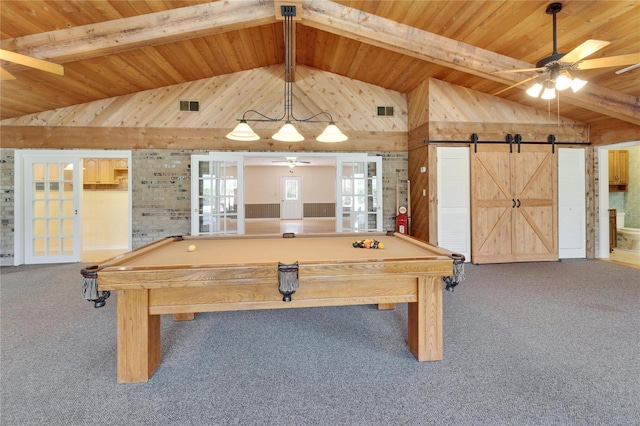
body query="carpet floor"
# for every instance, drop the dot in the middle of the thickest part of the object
(549, 343)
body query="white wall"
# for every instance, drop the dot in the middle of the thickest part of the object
(262, 183)
(105, 220)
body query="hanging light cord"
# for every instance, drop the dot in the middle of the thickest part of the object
(287, 114)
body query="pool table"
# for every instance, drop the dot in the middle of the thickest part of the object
(241, 272)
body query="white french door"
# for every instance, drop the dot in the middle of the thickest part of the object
(51, 203)
(217, 194)
(359, 194)
(291, 197)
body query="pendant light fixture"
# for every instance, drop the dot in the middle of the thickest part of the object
(288, 132)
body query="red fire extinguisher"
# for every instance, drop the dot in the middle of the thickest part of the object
(402, 220)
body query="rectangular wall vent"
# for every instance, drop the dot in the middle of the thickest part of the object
(385, 111)
(189, 105)
(288, 10)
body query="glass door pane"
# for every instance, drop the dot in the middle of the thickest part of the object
(51, 201)
(215, 196)
(360, 198)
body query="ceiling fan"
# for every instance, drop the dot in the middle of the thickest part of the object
(292, 162)
(554, 69)
(28, 61)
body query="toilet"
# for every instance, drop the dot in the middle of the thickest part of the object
(631, 236)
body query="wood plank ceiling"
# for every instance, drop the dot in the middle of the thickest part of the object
(113, 48)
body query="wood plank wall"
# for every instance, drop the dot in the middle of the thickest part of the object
(456, 112)
(443, 114)
(152, 119)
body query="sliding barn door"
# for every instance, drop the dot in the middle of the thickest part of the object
(514, 204)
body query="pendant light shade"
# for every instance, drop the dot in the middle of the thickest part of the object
(332, 134)
(243, 132)
(563, 81)
(549, 93)
(288, 133)
(577, 84)
(534, 91)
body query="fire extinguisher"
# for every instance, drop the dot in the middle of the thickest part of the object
(402, 220)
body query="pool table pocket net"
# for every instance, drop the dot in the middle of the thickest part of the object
(90, 290)
(287, 280)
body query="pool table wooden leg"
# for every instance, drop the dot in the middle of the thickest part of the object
(138, 337)
(425, 320)
(386, 306)
(184, 317)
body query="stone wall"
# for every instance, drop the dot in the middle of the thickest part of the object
(7, 195)
(161, 194)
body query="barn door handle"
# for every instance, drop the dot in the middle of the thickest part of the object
(514, 203)
(518, 206)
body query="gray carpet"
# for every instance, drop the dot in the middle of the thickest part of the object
(525, 344)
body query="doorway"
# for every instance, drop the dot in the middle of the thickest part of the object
(346, 191)
(605, 202)
(52, 208)
(105, 213)
(291, 197)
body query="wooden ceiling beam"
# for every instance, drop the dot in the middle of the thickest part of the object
(115, 36)
(391, 35)
(110, 37)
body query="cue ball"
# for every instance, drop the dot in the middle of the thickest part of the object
(192, 248)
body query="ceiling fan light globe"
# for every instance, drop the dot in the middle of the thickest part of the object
(243, 132)
(534, 91)
(577, 84)
(549, 93)
(332, 134)
(288, 133)
(563, 82)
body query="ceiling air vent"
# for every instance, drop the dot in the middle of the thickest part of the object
(189, 105)
(385, 111)
(288, 10)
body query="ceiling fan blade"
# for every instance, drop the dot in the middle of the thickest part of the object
(28, 61)
(515, 85)
(6, 75)
(613, 61)
(587, 48)
(520, 70)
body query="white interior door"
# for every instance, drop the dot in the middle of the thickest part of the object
(454, 200)
(359, 194)
(572, 234)
(291, 197)
(51, 203)
(217, 194)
